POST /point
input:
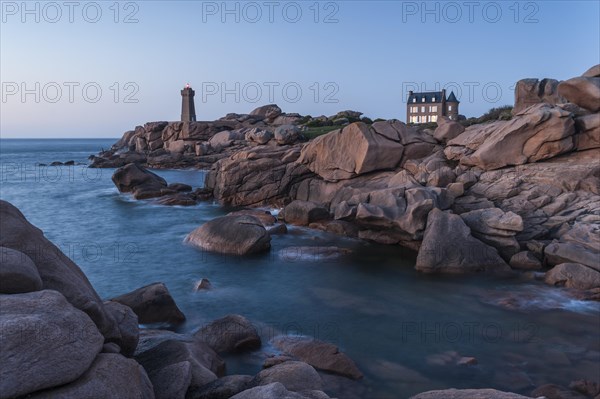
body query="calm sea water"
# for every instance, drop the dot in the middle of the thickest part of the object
(392, 321)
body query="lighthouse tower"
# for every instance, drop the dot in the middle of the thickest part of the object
(188, 111)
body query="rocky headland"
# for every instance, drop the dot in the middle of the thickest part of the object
(514, 195)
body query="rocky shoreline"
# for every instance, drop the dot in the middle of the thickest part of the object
(518, 196)
(508, 196)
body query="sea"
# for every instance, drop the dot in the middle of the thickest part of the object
(407, 332)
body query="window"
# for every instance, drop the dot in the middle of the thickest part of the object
(433, 108)
(423, 99)
(414, 100)
(449, 107)
(422, 109)
(434, 118)
(433, 100)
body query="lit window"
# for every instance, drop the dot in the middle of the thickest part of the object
(449, 107)
(423, 99)
(433, 108)
(434, 118)
(422, 109)
(433, 99)
(414, 100)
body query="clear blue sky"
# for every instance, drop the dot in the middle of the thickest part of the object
(364, 54)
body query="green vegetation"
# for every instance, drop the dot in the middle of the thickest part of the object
(313, 132)
(503, 113)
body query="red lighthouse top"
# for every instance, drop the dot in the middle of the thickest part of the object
(187, 85)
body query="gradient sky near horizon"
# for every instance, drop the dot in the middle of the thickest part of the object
(97, 69)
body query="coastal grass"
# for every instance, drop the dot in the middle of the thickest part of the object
(313, 132)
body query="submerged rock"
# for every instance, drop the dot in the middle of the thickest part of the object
(238, 235)
(232, 333)
(295, 376)
(468, 394)
(319, 354)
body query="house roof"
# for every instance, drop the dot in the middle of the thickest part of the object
(452, 98)
(429, 96)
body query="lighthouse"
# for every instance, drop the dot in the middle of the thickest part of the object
(188, 111)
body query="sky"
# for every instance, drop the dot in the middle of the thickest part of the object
(98, 69)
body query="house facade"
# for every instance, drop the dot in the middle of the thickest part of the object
(428, 106)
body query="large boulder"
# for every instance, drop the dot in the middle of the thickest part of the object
(261, 175)
(496, 228)
(232, 333)
(274, 390)
(536, 133)
(468, 394)
(319, 354)
(17, 273)
(572, 252)
(593, 72)
(152, 304)
(172, 381)
(354, 150)
(588, 132)
(573, 275)
(287, 134)
(223, 388)
(259, 136)
(225, 138)
(302, 213)
(295, 376)
(582, 91)
(133, 178)
(535, 91)
(56, 270)
(447, 129)
(238, 235)
(206, 365)
(268, 112)
(127, 321)
(525, 260)
(44, 342)
(110, 376)
(448, 247)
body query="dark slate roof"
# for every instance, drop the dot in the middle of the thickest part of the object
(428, 97)
(452, 98)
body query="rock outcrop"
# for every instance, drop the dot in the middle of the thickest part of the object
(534, 134)
(529, 92)
(448, 247)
